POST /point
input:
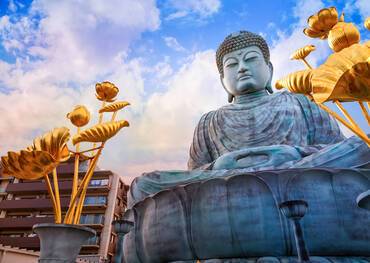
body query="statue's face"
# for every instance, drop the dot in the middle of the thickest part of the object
(245, 71)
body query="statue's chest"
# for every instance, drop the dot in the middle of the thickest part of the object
(273, 124)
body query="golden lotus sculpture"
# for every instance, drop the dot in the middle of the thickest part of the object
(42, 158)
(343, 77)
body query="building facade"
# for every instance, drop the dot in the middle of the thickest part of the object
(24, 203)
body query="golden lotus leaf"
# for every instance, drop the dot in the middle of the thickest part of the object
(29, 165)
(344, 76)
(297, 82)
(343, 35)
(106, 91)
(114, 106)
(303, 52)
(80, 116)
(367, 23)
(321, 23)
(100, 132)
(55, 143)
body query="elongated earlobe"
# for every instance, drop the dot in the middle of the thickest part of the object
(268, 86)
(230, 97)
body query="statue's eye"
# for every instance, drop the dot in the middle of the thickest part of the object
(252, 59)
(231, 64)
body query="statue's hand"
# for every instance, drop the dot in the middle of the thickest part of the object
(269, 157)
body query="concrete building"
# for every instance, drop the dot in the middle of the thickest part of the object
(24, 203)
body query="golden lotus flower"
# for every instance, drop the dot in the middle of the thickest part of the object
(80, 116)
(343, 35)
(367, 23)
(303, 52)
(106, 91)
(39, 159)
(321, 23)
(344, 76)
(297, 82)
(100, 132)
(114, 106)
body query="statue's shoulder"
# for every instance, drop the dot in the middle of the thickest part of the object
(205, 118)
(294, 97)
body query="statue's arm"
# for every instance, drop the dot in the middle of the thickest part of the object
(200, 155)
(323, 129)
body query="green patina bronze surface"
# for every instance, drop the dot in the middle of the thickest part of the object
(226, 204)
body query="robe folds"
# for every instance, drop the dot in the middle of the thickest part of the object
(279, 131)
(279, 119)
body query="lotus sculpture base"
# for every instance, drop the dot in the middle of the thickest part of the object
(61, 242)
(236, 218)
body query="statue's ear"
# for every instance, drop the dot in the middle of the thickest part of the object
(230, 97)
(269, 86)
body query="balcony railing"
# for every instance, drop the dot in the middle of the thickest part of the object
(9, 223)
(21, 242)
(43, 205)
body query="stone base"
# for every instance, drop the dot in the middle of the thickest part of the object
(238, 216)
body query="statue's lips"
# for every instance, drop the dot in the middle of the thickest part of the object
(243, 77)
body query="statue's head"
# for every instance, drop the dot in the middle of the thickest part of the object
(243, 60)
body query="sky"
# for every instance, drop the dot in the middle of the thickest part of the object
(161, 55)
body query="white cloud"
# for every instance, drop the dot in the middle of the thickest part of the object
(172, 42)
(198, 8)
(61, 56)
(363, 7)
(160, 136)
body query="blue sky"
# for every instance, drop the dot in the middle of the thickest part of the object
(160, 54)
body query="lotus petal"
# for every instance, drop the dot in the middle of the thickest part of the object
(100, 133)
(321, 23)
(314, 34)
(344, 76)
(114, 106)
(297, 82)
(80, 116)
(343, 35)
(106, 91)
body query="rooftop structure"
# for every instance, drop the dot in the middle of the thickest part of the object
(25, 203)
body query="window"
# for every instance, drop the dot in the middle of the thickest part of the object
(99, 182)
(93, 241)
(95, 200)
(92, 219)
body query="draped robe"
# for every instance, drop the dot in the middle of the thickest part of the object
(279, 119)
(286, 121)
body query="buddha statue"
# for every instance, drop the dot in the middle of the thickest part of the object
(246, 158)
(259, 129)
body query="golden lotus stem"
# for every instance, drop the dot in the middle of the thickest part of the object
(100, 121)
(88, 175)
(349, 118)
(75, 179)
(85, 184)
(52, 197)
(344, 122)
(364, 111)
(114, 115)
(57, 196)
(306, 63)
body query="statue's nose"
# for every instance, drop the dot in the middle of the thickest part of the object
(242, 69)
